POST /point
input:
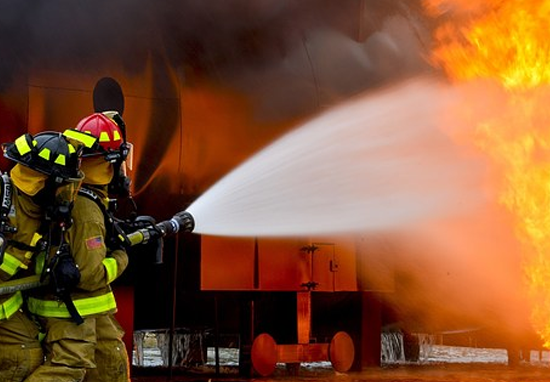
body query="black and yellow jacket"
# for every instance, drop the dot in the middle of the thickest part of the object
(98, 265)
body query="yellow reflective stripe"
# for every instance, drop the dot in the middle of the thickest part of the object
(34, 240)
(22, 145)
(60, 160)
(40, 261)
(87, 140)
(104, 137)
(11, 305)
(111, 267)
(116, 135)
(85, 306)
(45, 153)
(11, 264)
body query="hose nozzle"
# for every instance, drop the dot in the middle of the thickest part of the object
(180, 222)
(183, 221)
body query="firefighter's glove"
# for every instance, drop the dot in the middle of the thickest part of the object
(64, 272)
(119, 242)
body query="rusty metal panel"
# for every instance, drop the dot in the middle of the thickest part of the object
(344, 267)
(255, 264)
(322, 258)
(302, 353)
(334, 265)
(227, 263)
(283, 266)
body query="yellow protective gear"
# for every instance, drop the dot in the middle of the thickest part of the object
(97, 171)
(93, 298)
(21, 352)
(27, 180)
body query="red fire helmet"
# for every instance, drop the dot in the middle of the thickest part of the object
(105, 129)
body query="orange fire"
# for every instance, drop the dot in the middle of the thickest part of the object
(507, 42)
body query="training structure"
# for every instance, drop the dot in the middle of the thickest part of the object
(200, 92)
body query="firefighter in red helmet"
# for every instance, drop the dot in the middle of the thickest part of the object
(90, 349)
(36, 202)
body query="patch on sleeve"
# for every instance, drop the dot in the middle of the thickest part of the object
(94, 242)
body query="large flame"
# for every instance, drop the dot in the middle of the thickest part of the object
(507, 42)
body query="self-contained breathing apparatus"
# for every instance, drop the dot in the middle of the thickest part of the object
(5, 226)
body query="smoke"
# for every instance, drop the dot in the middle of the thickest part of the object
(68, 35)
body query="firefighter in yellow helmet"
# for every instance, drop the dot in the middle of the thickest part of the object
(89, 347)
(37, 195)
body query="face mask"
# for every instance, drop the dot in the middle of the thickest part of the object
(97, 171)
(57, 199)
(65, 194)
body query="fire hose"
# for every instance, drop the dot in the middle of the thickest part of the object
(181, 222)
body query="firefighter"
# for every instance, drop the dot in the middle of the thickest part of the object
(37, 194)
(89, 347)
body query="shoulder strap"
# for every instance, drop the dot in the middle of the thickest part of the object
(89, 194)
(86, 192)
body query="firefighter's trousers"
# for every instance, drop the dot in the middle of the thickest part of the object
(20, 352)
(81, 353)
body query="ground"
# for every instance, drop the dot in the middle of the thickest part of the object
(409, 373)
(443, 364)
